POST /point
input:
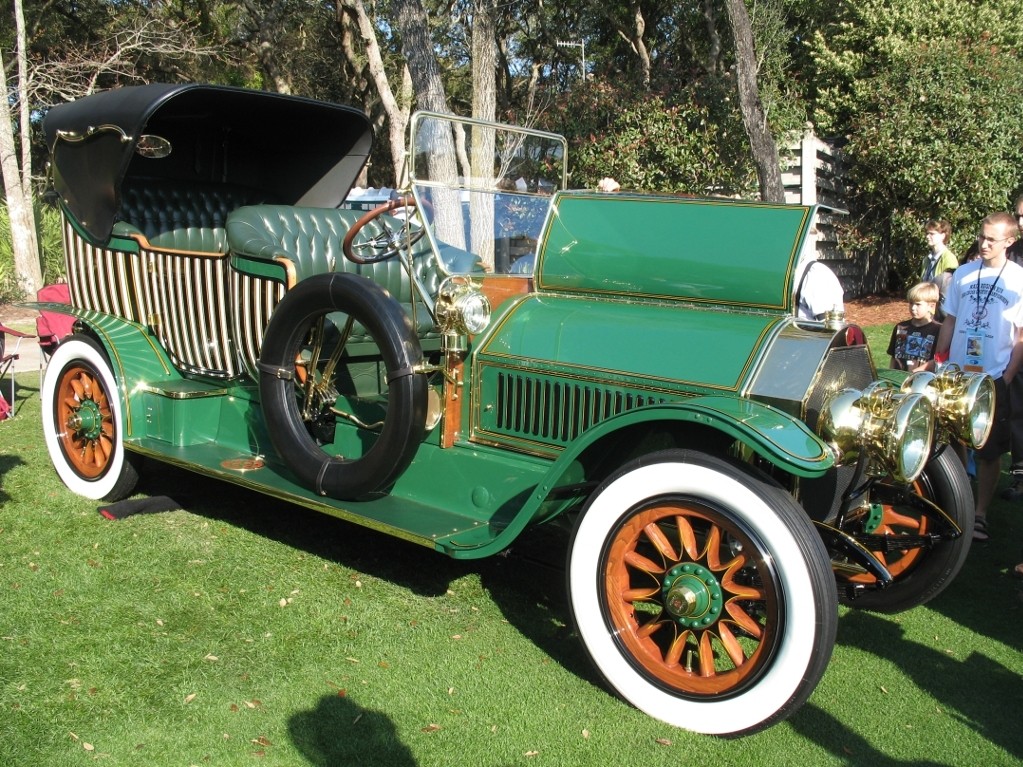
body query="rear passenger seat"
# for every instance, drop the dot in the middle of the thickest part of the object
(179, 215)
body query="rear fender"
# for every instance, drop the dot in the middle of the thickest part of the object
(136, 359)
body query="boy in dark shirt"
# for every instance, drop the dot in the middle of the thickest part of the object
(912, 344)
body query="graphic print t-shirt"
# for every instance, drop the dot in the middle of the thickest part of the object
(913, 342)
(987, 303)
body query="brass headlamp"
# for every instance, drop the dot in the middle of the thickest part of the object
(964, 403)
(461, 309)
(894, 430)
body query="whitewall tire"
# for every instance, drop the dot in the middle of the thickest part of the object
(702, 594)
(83, 422)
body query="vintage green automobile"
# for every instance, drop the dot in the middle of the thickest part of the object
(491, 351)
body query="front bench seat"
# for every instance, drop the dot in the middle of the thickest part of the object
(310, 240)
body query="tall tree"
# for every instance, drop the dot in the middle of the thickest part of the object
(396, 108)
(754, 118)
(414, 27)
(484, 106)
(17, 166)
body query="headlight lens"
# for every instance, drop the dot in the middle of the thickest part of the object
(913, 435)
(461, 307)
(964, 403)
(895, 429)
(475, 309)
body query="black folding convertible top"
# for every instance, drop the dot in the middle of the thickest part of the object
(293, 150)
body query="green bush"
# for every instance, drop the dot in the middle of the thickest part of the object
(937, 136)
(48, 229)
(685, 142)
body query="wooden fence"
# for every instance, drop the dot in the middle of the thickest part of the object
(813, 173)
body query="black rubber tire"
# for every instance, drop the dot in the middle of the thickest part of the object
(83, 422)
(405, 424)
(749, 548)
(944, 482)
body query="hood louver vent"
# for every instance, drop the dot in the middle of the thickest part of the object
(548, 410)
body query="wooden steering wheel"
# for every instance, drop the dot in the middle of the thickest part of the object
(387, 242)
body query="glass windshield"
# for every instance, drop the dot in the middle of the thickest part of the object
(484, 190)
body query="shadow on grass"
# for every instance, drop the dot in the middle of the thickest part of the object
(7, 464)
(340, 732)
(977, 691)
(405, 564)
(527, 583)
(820, 727)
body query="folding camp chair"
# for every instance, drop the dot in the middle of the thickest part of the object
(8, 356)
(52, 327)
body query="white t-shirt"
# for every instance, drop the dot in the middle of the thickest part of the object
(987, 303)
(819, 291)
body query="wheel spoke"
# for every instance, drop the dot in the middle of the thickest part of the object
(737, 613)
(677, 648)
(661, 542)
(639, 595)
(687, 537)
(731, 644)
(640, 562)
(893, 519)
(706, 656)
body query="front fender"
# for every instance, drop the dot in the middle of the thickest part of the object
(783, 440)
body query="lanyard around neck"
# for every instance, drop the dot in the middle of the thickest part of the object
(980, 272)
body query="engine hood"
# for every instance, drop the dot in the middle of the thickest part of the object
(719, 253)
(658, 347)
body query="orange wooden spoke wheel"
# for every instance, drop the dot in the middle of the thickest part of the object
(83, 409)
(82, 420)
(702, 592)
(691, 597)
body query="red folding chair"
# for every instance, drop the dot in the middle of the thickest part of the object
(8, 356)
(52, 327)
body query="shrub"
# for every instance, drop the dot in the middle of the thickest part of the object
(937, 136)
(685, 142)
(48, 229)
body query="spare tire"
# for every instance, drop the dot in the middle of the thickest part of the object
(320, 315)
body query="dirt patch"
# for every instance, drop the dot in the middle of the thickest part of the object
(11, 314)
(876, 310)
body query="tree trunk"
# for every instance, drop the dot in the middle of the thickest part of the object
(397, 112)
(18, 175)
(484, 107)
(754, 119)
(417, 47)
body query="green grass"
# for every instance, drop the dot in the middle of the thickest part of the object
(244, 631)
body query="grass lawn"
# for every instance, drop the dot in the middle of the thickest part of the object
(246, 632)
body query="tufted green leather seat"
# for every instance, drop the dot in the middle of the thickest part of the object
(179, 215)
(310, 238)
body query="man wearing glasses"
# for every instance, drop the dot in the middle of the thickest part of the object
(983, 332)
(1014, 492)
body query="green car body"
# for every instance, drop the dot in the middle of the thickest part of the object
(597, 345)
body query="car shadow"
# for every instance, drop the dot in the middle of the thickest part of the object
(849, 746)
(337, 731)
(374, 553)
(526, 582)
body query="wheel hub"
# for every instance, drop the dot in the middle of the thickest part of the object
(87, 420)
(692, 595)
